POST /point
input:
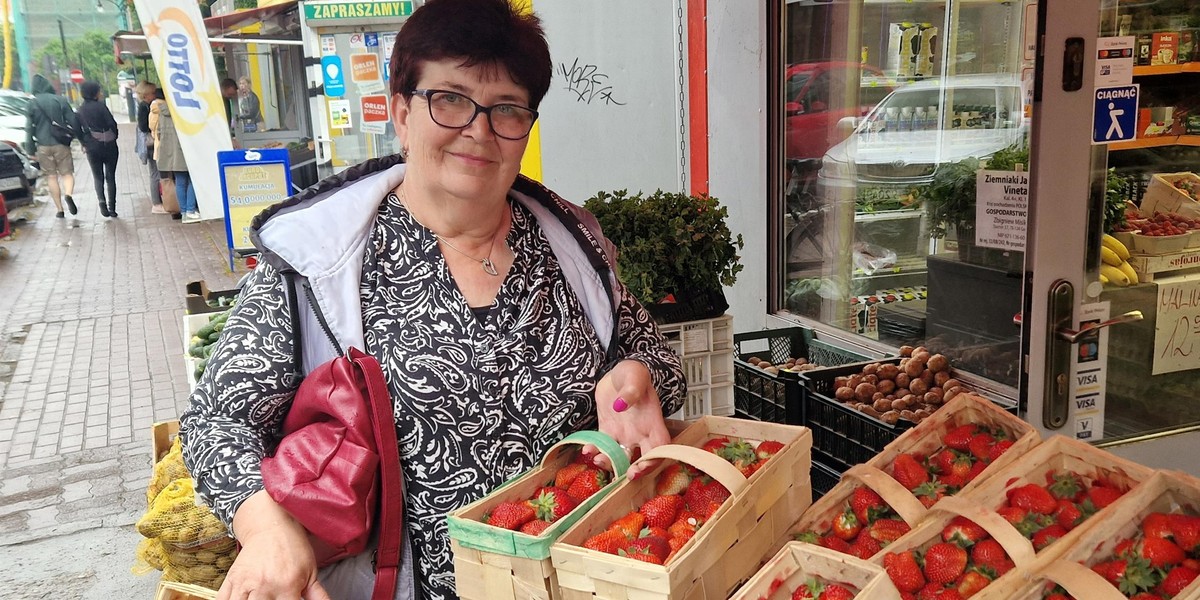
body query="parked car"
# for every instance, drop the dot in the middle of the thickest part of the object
(18, 171)
(924, 124)
(818, 95)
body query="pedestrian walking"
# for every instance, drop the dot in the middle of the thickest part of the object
(50, 126)
(98, 134)
(147, 92)
(169, 154)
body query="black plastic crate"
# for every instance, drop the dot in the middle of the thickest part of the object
(760, 395)
(823, 476)
(846, 437)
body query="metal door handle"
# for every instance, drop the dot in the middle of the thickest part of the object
(1073, 336)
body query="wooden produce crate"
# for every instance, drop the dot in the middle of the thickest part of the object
(725, 551)
(1057, 454)
(162, 435)
(796, 562)
(170, 590)
(705, 350)
(1162, 196)
(492, 562)
(1093, 542)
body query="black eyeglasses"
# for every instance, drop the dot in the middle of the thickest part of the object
(456, 111)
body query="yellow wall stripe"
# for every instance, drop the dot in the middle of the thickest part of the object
(531, 163)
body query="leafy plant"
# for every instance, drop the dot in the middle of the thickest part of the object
(670, 243)
(1114, 200)
(951, 194)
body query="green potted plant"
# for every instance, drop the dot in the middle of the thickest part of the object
(950, 198)
(675, 250)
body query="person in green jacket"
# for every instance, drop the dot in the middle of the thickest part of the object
(48, 143)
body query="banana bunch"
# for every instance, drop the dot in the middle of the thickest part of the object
(1115, 268)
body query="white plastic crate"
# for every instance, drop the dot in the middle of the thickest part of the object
(706, 350)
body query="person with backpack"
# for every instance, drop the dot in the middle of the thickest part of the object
(491, 304)
(98, 133)
(50, 127)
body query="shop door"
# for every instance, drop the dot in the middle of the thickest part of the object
(354, 115)
(1129, 386)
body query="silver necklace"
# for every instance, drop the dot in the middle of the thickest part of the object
(486, 262)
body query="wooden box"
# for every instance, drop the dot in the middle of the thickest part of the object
(796, 562)
(169, 590)
(1162, 196)
(727, 550)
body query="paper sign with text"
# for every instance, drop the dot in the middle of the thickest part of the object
(1001, 209)
(1177, 325)
(1089, 374)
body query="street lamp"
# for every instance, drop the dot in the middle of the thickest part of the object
(122, 7)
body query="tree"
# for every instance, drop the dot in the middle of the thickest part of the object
(95, 48)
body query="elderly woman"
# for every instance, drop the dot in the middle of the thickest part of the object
(486, 298)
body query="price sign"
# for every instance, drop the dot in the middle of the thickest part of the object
(251, 181)
(1177, 325)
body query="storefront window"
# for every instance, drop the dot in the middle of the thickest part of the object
(889, 110)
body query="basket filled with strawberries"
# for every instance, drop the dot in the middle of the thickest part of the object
(1146, 546)
(804, 571)
(506, 536)
(696, 524)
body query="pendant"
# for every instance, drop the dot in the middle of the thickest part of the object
(489, 267)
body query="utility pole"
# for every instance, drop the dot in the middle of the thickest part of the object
(66, 61)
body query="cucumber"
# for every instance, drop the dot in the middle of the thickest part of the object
(205, 331)
(214, 336)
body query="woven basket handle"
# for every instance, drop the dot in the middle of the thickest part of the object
(602, 441)
(1019, 549)
(1080, 581)
(906, 505)
(712, 465)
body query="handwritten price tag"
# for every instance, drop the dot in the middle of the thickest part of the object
(1177, 325)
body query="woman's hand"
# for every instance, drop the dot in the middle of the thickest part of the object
(629, 410)
(276, 561)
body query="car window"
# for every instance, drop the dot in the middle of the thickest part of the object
(795, 84)
(817, 98)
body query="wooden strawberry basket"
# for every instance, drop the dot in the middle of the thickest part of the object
(726, 550)
(1095, 540)
(170, 590)
(492, 562)
(796, 562)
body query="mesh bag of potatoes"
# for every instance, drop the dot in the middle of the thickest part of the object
(165, 471)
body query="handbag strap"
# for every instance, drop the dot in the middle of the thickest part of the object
(391, 504)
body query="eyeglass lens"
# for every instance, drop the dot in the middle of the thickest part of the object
(509, 121)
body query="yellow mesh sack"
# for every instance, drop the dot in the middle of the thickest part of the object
(165, 471)
(175, 519)
(150, 557)
(205, 566)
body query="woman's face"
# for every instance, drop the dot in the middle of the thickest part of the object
(467, 163)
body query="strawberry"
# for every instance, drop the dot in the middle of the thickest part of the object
(1102, 496)
(930, 492)
(963, 532)
(981, 445)
(1157, 525)
(990, 554)
(564, 476)
(1191, 563)
(976, 469)
(1065, 486)
(704, 495)
(740, 454)
(971, 583)
(953, 481)
(959, 438)
(998, 449)
(1033, 498)
(907, 470)
(834, 543)
(1012, 514)
(942, 460)
(775, 585)
(1047, 535)
(1175, 580)
(588, 482)
(631, 524)
(1186, 531)
(948, 594)
(678, 541)
(673, 480)
(888, 530)
(846, 525)
(715, 444)
(535, 527)
(1068, 514)
(944, 562)
(867, 504)
(1160, 552)
(864, 547)
(650, 548)
(609, 541)
(1124, 548)
(660, 511)
(1128, 575)
(511, 515)
(768, 448)
(902, 568)
(552, 504)
(835, 591)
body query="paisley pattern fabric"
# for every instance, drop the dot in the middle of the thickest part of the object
(477, 401)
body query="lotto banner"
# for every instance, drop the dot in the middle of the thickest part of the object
(179, 44)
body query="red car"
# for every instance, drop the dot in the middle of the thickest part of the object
(819, 94)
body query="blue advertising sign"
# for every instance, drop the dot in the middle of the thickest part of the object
(251, 181)
(1114, 115)
(335, 79)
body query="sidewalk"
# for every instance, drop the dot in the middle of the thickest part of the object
(90, 356)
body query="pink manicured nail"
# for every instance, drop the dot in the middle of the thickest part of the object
(620, 405)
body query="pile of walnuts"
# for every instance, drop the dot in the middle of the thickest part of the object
(911, 390)
(794, 365)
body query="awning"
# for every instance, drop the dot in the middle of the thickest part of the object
(229, 24)
(280, 24)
